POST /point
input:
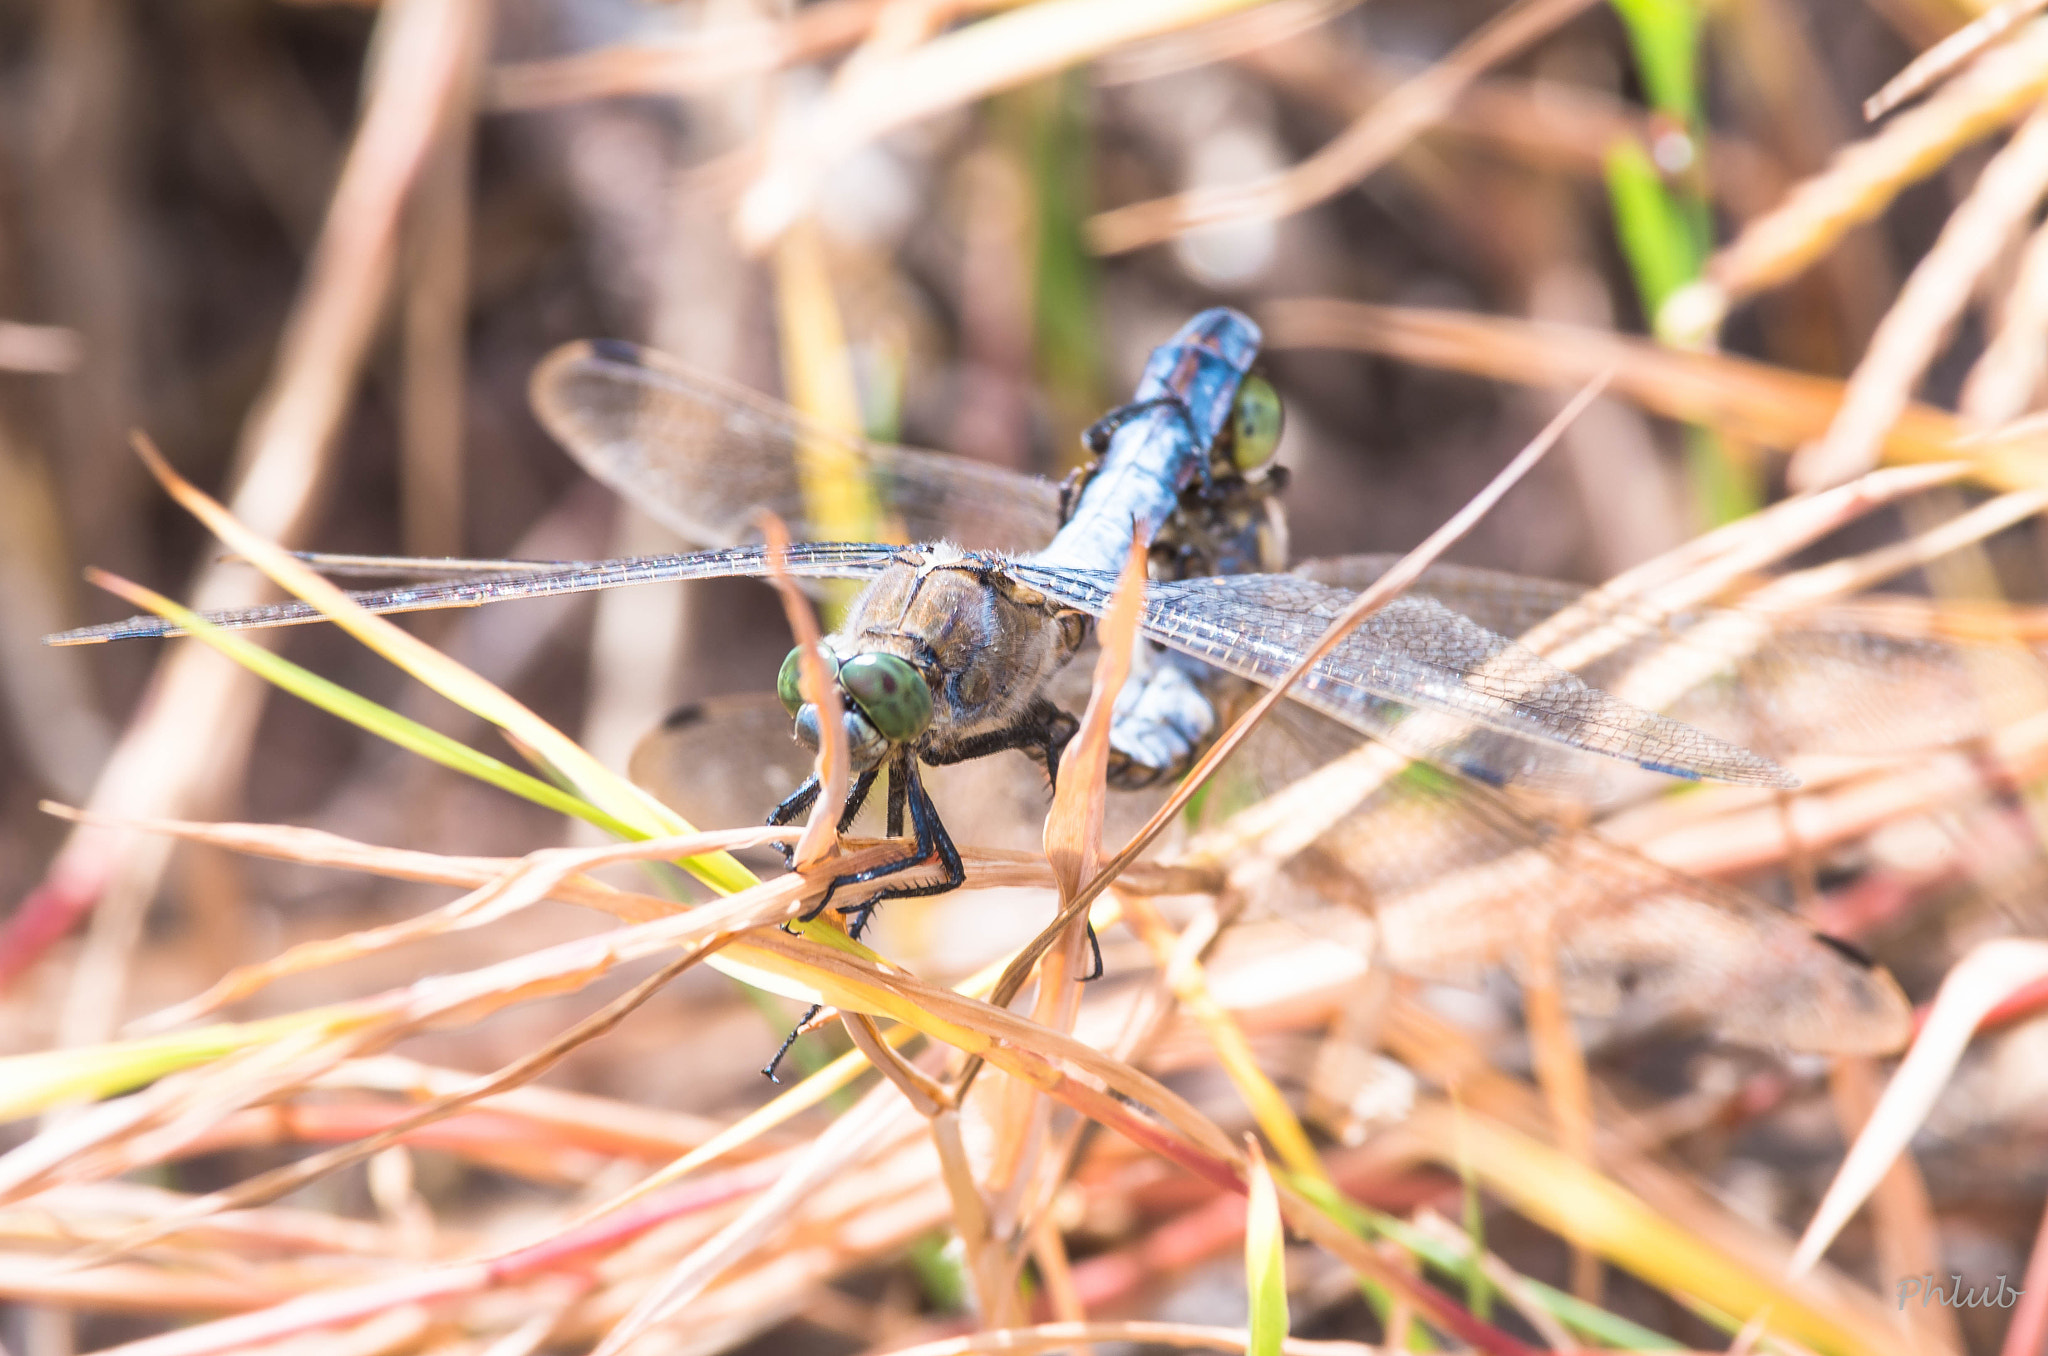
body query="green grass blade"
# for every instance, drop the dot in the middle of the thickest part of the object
(1664, 36)
(1265, 1263)
(379, 720)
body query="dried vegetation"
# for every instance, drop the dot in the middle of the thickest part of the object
(1394, 1062)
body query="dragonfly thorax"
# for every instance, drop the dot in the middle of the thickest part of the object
(943, 648)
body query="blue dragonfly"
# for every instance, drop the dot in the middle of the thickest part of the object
(950, 650)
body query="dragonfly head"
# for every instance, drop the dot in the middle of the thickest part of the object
(885, 700)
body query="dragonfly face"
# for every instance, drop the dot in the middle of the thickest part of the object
(940, 654)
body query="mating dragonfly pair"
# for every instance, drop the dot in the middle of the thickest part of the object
(951, 650)
(947, 653)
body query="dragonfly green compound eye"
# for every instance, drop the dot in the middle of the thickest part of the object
(890, 693)
(1255, 420)
(788, 682)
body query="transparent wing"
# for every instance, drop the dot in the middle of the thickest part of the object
(1415, 653)
(1498, 600)
(827, 560)
(1867, 677)
(701, 455)
(1447, 880)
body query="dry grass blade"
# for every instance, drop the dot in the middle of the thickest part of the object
(594, 781)
(282, 1181)
(1073, 828)
(316, 847)
(821, 836)
(1061, 1336)
(706, 60)
(1363, 147)
(1073, 848)
(1230, 37)
(1863, 179)
(1913, 331)
(540, 875)
(1978, 983)
(838, 1148)
(1179, 958)
(1750, 400)
(2002, 383)
(1582, 1205)
(197, 732)
(953, 69)
(1938, 62)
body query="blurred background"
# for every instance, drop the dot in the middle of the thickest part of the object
(173, 170)
(314, 251)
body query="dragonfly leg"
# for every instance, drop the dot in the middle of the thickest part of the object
(806, 795)
(768, 1069)
(856, 797)
(797, 802)
(930, 842)
(793, 805)
(899, 796)
(1044, 727)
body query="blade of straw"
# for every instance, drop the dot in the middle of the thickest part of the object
(820, 836)
(1943, 59)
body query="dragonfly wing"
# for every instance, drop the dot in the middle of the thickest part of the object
(701, 455)
(1859, 678)
(1824, 684)
(1457, 879)
(828, 560)
(1505, 603)
(1414, 653)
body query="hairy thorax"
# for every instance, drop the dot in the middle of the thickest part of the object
(986, 643)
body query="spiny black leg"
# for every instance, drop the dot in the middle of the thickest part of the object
(899, 797)
(768, 1069)
(793, 805)
(899, 792)
(1043, 727)
(797, 801)
(1094, 949)
(931, 842)
(857, 797)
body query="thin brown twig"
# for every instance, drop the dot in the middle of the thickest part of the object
(281, 1181)
(195, 730)
(1361, 148)
(1918, 323)
(1055, 1336)
(1938, 62)
(1863, 179)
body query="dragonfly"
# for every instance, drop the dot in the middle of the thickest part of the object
(947, 653)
